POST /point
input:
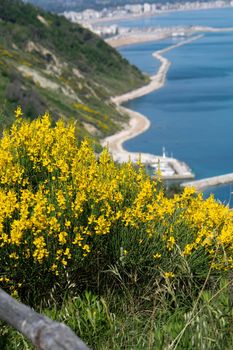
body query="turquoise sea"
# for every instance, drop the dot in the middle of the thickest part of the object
(192, 115)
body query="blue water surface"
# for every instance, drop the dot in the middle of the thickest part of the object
(212, 18)
(192, 115)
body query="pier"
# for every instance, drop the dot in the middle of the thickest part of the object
(169, 168)
(203, 184)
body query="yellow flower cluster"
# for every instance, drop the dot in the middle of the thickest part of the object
(57, 201)
(85, 108)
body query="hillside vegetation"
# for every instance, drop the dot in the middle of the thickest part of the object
(48, 63)
(99, 246)
(89, 242)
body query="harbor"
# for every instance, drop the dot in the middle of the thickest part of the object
(170, 169)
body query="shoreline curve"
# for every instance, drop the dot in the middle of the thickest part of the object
(138, 122)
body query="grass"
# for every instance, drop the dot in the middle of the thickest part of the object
(146, 319)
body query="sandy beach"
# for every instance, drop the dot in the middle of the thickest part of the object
(137, 38)
(139, 123)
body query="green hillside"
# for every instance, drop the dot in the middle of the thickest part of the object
(48, 63)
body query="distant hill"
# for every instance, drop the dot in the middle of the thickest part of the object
(80, 5)
(48, 63)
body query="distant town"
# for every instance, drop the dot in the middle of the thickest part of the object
(94, 20)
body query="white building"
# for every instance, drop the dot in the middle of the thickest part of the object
(135, 9)
(73, 16)
(147, 8)
(90, 14)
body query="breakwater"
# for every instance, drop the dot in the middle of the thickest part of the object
(203, 184)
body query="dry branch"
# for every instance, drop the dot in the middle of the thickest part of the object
(44, 333)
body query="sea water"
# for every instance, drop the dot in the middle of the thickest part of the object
(220, 18)
(192, 115)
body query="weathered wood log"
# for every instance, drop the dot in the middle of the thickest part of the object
(44, 333)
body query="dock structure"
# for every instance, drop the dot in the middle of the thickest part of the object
(203, 184)
(170, 168)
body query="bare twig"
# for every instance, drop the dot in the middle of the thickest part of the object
(44, 333)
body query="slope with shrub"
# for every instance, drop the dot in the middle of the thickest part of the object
(101, 246)
(50, 64)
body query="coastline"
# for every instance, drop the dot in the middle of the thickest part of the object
(137, 37)
(182, 172)
(138, 122)
(129, 17)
